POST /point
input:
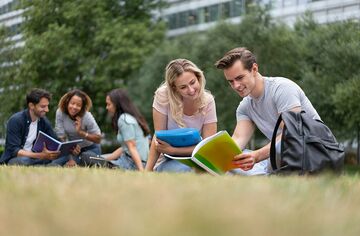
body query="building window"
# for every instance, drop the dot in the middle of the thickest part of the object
(206, 14)
(236, 8)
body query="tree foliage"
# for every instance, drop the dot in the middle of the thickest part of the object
(331, 60)
(100, 45)
(91, 45)
(322, 59)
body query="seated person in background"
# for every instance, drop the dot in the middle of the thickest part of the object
(74, 121)
(132, 132)
(181, 101)
(264, 98)
(22, 130)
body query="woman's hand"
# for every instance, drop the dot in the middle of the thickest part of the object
(77, 123)
(163, 147)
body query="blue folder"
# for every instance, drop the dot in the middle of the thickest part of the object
(182, 137)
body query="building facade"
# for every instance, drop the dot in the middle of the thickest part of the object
(11, 17)
(183, 16)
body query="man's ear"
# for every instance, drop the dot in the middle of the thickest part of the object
(255, 68)
(31, 105)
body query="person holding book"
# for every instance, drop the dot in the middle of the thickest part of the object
(264, 98)
(132, 132)
(74, 121)
(181, 101)
(22, 130)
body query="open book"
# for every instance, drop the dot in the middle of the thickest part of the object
(52, 144)
(213, 154)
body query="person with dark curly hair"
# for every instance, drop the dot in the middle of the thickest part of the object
(75, 121)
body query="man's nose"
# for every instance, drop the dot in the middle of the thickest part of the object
(237, 84)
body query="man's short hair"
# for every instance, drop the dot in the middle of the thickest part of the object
(245, 56)
(35, 95)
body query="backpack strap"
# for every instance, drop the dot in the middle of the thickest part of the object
(272, 145)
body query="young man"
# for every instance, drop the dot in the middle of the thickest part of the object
(22, 130)
(264, 98)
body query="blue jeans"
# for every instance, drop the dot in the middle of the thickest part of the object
(27, 161)
(126, 162)
(94, 149)
(170, 165)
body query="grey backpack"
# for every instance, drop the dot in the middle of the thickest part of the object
(307, 146)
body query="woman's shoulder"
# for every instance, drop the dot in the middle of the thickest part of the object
(88, 116)
(209, 98)
(127, 118)
(60, 113)
(161, 94)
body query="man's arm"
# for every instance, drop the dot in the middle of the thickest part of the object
(45, 154)
(13, 136)
(246, 161)
(14, 143)
(243, 131)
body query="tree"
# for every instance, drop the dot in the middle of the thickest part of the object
(347, 106)
(271, 41)
(320, 58)
(331, 60)
(91, 45)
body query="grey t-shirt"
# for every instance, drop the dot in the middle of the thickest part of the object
(280, 94)
(129, 129)
(65, 127)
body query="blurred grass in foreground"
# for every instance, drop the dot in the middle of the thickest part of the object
(81, 201)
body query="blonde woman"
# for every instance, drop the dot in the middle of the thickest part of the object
(181, 101)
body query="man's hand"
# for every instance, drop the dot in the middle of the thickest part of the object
(71, 163)
(245, 161)
(76, 151)
(50, 155)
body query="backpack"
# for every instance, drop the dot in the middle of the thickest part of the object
(307, 146)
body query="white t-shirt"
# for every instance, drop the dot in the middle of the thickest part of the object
(280, 94)
(31, 135)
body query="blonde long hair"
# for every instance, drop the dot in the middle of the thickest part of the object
(166, 94)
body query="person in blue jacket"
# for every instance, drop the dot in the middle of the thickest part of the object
(22, 130)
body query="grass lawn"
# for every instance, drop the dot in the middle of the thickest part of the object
(82, 201)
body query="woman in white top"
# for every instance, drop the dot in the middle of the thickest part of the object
(74, 121)
(181, 101)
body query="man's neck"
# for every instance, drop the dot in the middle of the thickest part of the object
(33, 116)
(259, 86)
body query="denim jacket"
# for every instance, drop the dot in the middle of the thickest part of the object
(18, 130)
